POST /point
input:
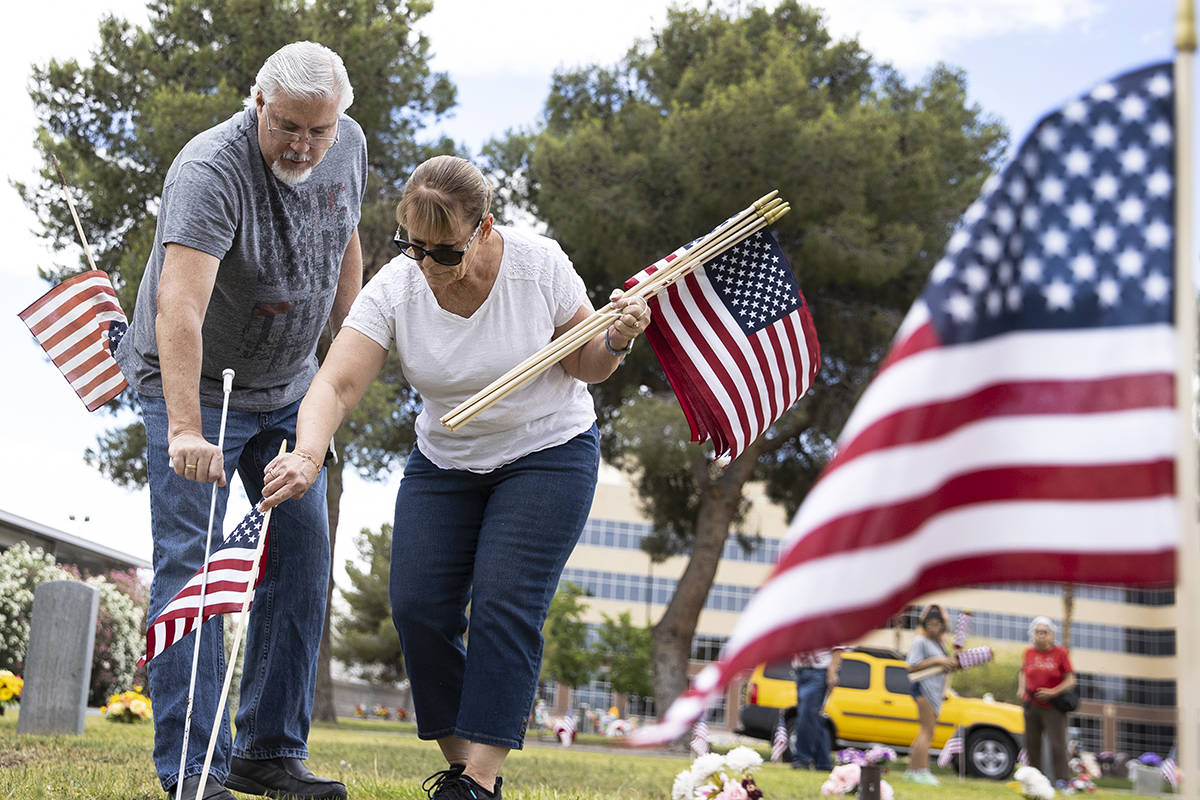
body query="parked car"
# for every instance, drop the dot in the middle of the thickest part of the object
(871, 704)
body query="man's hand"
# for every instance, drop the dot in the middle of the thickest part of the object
(195, 459)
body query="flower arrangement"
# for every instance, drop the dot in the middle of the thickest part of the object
(10, 689)
(1032, 784)
(719, 777)
(846, 776)
(130, 706)
(382, 712)
(401, 713)
(360, 711)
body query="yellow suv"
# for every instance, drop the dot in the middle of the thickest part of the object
(871, 704)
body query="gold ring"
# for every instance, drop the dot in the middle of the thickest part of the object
(186, 467)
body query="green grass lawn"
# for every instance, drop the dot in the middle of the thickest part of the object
(381, 760)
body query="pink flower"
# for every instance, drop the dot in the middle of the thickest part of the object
(733, 791)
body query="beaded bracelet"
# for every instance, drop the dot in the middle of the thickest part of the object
(612, 351)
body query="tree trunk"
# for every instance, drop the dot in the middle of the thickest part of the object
(674, 632)
(323, 705)
(1068, 613)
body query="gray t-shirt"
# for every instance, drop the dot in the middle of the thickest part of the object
(280, 249)
(932, 688)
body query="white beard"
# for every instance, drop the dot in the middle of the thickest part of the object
(290, 177)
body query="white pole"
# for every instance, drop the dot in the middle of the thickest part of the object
(1187, 475)
(227, 377)
(237, 641)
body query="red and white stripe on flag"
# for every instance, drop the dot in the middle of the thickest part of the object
(231, 567)
(79, 323)
(953, 746)
(779, 743)
(1170, 771)
(736, 340)
(1022, 428)
(700, 737)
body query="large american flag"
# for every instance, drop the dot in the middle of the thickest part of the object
(1023, 426)
(79, 324)
(736, 341)
(231, 567)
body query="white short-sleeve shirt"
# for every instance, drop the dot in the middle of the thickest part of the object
(448, 358)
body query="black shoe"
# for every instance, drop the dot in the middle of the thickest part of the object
(213, 790)
(282, 778)
(465, 788)
(434, 783)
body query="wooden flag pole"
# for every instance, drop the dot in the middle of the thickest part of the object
(731, 232)
(1187, 475)
(762, 213)
(87, 250)
(238, 635)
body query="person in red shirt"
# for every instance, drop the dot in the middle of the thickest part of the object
(1046, 674)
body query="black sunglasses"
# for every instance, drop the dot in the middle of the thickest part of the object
(445, 256)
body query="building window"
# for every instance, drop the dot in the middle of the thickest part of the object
(1136, 738)
(1087, 732)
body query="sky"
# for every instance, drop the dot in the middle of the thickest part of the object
(1022, 58)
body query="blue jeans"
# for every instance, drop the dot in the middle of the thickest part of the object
(811, 738)
(497, 541)
(280, 667)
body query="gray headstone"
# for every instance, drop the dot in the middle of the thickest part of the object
(58, 663)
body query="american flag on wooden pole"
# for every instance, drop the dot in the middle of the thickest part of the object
(231, 567)
(1023, 426)
(779, 742)
(736, 340)
(79, 324)
(700, 737)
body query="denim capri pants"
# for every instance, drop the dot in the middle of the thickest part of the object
(498, 542)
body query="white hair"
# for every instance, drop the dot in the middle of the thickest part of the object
(1039, 621)
(305, 71)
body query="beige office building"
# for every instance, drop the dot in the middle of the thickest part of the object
(1122, 640)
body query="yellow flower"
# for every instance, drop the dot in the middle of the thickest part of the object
(6, 693)
(139, 707)
(138, 689)
(116, 709)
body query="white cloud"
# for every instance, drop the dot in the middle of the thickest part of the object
(533, 37)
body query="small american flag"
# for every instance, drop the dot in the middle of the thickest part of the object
(700, 737)
(1170, 770)
(1023, 757)
(736, 340)
(564, 729)
(79, 324)
(961, 625)
(1024, 423)
(953, 746)
(780, 743)
(230, 567)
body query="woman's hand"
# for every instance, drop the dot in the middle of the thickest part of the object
(950, 662)
(1045, 694)
(633, 321)
(288, 475)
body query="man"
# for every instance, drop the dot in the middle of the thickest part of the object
(816, 673)
(256, 249)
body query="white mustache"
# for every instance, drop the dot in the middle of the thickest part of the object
(294, 156)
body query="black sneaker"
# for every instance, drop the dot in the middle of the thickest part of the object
(465, 788)
(434, 783)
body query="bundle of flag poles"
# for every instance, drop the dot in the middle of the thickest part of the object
(762, 213)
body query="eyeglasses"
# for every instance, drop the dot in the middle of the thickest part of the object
(295, 138)
(445, 256)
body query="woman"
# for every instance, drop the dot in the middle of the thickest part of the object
(927, 651)
(1046, 673)
(486, 515)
